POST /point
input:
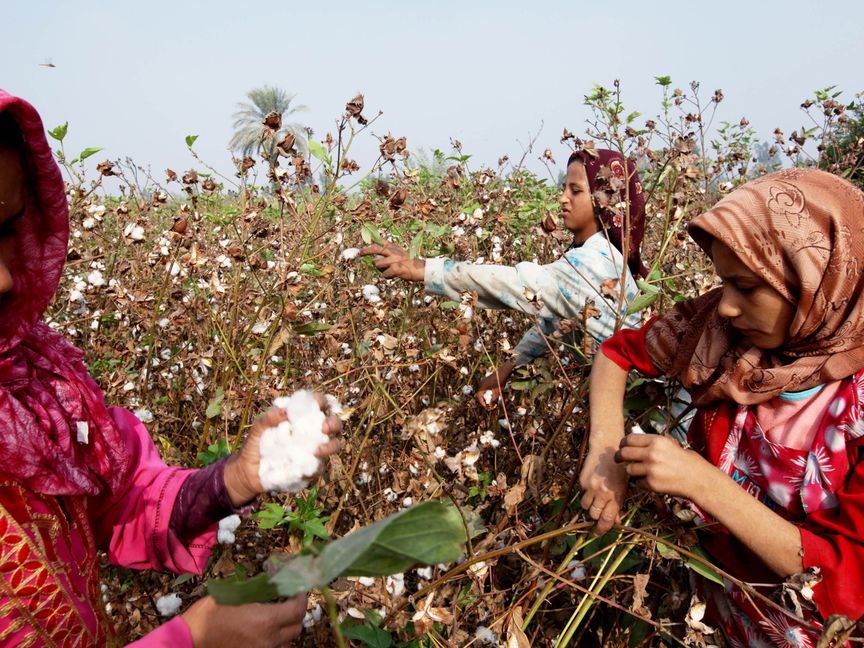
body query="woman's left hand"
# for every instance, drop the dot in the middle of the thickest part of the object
(660, 464)
(241, 470)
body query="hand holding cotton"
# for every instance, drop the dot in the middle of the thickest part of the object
(288, 450)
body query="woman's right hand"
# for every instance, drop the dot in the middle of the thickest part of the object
(395, 263)
(254, 625)
(494, 383)
(604, 485)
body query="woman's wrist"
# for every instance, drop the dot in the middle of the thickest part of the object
(238, 486)
(700, 479)
(419, 268)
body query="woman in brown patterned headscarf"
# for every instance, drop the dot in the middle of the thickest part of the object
(774, 361)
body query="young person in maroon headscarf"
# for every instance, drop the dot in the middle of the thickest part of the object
(774, 362)
(603, 206)
(76, 476)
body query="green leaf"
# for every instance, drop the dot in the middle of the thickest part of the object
(369, 635)
(633, 115)
(238, 590)
(214, 452)
(670, 551)
(311, 269)
(539, 390)
(90, 150)
(369, 233)
(703, 569)
(317, 150)
(271, 516)
(426, 534)
(449, 305)
(182, 578)
(314, 527)
(60, 132)
(214, 407)
(663, 80)
(641, 302)
(416, 246)
(435, 230)
(190, 140)
(312, 328)
(647, 288)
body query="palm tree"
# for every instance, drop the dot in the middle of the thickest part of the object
(250, 133)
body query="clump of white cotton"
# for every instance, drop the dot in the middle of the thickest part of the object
(288, 450)
(484, 635)
(371, 293)
(168, 605)
(227, 527)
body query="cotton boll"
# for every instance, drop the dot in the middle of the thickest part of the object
(577, 569)
(371, 293)
(227, 527)
(144, 415)
(96, 279)
(312, 617)
(168, 605)
(333, 405)
(349, 254)
(395, 584)
(424, 573)
(484, 635)
(288, 450)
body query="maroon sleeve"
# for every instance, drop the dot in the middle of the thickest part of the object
(202, 501)
(627, 349)
(832, 540)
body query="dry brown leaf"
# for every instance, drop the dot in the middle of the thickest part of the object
(516, 637)
(531, 474)
(514, 497)
(640, 584)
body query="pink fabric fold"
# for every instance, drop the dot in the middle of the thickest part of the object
(174, 634)
(46, 394)
(133, 525)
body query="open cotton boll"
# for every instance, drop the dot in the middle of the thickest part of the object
(484, 635)
(288, 450)
(371, 293)
(227, 527)
(168, 605)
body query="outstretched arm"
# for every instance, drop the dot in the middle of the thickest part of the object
(663, 466)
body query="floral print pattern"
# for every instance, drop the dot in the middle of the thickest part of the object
(793, 483)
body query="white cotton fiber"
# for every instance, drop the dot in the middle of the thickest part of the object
(168, 605)
(288, 450)
(371, 293)
(227, 527)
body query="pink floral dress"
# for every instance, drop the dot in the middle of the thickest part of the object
(794, 483)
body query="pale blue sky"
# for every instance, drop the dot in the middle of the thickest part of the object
(137, 77)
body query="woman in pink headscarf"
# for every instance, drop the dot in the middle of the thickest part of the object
(584, 286)
(77, 477)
